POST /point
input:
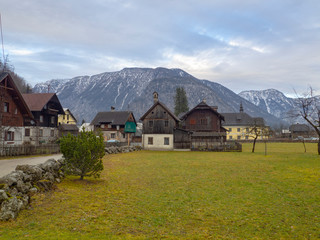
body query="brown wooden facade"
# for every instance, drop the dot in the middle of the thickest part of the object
(13, 109)
(159, 120)
(205, 123)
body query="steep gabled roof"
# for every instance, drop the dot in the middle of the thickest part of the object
(203, 106)
(25, 110)
(164, 107)
(37, 101)
(68, 127)
(113, 118)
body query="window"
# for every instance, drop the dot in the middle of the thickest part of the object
(52, 120)
(16, 111)
(41, 118)
(123, 135)
(238, 129)
(166, 123)
(52, 133)
(113, 135)
(40, 132)
(150, 123)
(203, 121)
(109, 125)
(68, 117)
(247, 130)
(150, 140)
(238, 137)
(230, 129)
(64, 117)
(230, 137)
(247, 137)
(6, 107)
(9, 136)
(27, 132)
(166, 141)
(192, 121)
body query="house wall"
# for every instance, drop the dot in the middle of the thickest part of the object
(240, 133)
(158, 141)
(49, 135)
(202, 120)
(155, 122)
(66, 119)
(14, 116)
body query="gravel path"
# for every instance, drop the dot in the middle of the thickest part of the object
(6, 166)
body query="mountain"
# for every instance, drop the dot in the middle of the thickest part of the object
(132, 88)
(270, 100)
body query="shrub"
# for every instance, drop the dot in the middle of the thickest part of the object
(83, 154)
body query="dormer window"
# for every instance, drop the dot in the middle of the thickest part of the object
(6, 107)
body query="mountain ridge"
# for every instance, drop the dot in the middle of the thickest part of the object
(132, 88)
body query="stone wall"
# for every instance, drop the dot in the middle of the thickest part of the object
(17, 187)
(124, 149)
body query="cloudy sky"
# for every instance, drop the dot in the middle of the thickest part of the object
(247, 44)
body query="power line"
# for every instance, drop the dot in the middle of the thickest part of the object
(2, 39)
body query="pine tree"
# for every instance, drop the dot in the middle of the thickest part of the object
(180, 101)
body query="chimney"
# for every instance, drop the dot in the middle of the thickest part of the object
(241, 108)
(155, 97)
(112, 109)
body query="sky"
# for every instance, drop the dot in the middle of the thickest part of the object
(243, 45)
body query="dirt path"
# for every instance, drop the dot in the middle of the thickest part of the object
(6, 166)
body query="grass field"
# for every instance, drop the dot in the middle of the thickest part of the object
(184, 195)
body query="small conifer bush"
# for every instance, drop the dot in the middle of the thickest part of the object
(83, 154)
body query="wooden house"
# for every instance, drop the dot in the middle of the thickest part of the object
(205, 123)
(14, 112)
(116, 126)
(299, 131)
(158, 126)
(45, 108)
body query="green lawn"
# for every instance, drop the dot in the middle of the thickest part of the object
(184, 195)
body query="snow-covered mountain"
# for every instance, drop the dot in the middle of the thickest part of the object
(270, 100)
(132, 88)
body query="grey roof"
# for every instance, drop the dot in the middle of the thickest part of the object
(299, 128)
(113, 118)
(241, 119)
(164, 107)
(203, 106)
(68, 127)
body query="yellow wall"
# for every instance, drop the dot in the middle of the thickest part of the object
(66, 119)
(240, 133)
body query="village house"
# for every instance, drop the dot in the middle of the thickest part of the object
(158, 126)
(299, 131)
(45, 108)
(205, 123)
(67, 117)
(116, 126)
(14, 112)
(67, 123)
(239, 125)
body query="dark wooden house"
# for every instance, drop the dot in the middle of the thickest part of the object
(14, 112)
(205, 123)
(45, 108)
(158, 126)
(299, 131)
(116, 126)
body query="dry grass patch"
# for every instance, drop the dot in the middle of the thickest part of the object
(184, 195)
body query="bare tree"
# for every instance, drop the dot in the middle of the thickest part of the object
(257, 130)
(309, 110)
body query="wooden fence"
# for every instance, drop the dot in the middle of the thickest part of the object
(29, 150)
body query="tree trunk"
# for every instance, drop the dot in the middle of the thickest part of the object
(254, 144)
(81, 177)
(319, 147)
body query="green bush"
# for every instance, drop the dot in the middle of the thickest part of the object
(83, 154)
